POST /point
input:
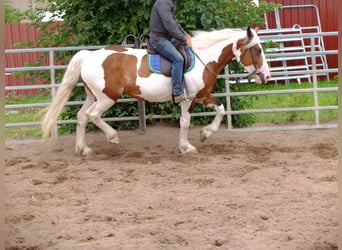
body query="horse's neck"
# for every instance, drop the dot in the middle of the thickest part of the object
(220, 53)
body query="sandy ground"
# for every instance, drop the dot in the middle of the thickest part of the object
(244, 190)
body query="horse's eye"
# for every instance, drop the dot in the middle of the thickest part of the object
(259, 51)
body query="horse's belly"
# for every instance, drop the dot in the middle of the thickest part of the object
(155, 88)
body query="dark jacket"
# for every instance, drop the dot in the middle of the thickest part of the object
(164, 22)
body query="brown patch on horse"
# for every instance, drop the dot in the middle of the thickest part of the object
(120, 75)
(143, 70)
(117, 48)
(212, 70)
(210, 76)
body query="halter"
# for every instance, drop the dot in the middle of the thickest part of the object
(260, 74)
(255, 67)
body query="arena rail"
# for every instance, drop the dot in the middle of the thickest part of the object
(229, 79)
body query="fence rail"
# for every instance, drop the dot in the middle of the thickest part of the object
(229, 79)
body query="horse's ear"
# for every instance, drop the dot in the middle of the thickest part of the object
(249, 33)
(249, 30)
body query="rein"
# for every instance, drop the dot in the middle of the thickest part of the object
(205, 65)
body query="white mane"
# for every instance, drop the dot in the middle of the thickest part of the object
(204, 39)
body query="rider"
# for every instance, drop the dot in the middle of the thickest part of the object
(165, 29)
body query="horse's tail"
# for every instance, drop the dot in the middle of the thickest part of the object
(71, 76)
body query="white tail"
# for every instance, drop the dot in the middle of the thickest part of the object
(71, 76)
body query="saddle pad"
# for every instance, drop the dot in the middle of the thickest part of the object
(155, 61)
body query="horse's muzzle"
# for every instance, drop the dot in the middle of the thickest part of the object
(262, 77)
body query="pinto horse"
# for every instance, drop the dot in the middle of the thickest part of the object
(109, 72)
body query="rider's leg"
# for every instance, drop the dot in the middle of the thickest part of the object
(168, 50)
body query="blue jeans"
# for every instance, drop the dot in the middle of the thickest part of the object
(164, 47)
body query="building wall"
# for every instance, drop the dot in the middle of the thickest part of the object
(16, 33)
(328, 11)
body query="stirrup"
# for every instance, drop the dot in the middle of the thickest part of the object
(179, 98)
(187, 97)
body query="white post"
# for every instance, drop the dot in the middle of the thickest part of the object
(314, 78)
(228, 99)
(53, 89)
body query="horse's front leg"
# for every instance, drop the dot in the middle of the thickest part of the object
(184, 146)
(208, 131)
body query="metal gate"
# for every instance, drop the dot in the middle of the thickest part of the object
(228, 94)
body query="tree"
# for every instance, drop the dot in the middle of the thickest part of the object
(108, 22)
(12, 15)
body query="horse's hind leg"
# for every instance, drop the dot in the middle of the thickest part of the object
(95, 112)
(82, 121)
(208, 130)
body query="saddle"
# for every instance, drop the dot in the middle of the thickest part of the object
(159, 64)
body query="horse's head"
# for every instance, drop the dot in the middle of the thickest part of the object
(249, 53)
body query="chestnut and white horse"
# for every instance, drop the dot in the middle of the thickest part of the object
(109, 72)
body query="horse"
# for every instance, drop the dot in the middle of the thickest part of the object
(109, 72)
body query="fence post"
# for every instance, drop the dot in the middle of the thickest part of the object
(142, 120)
(314, 79)
(53, 89)
(228, 99)
(141, 104)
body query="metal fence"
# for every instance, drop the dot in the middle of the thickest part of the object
(229, 79)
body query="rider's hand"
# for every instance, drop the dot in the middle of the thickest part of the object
(188, 40)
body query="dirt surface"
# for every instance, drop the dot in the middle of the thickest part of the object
(244, 190)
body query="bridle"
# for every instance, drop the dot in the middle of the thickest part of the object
(253, 61)
(249, 48)
(260, 74)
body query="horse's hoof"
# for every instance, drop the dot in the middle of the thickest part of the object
(86, 151)
(193, 151)
(204, 134)
(188, 149)
(113, 139)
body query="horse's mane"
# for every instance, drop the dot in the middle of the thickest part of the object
(204, 39)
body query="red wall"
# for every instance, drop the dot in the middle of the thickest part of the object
(328, 10)
(16, 33)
